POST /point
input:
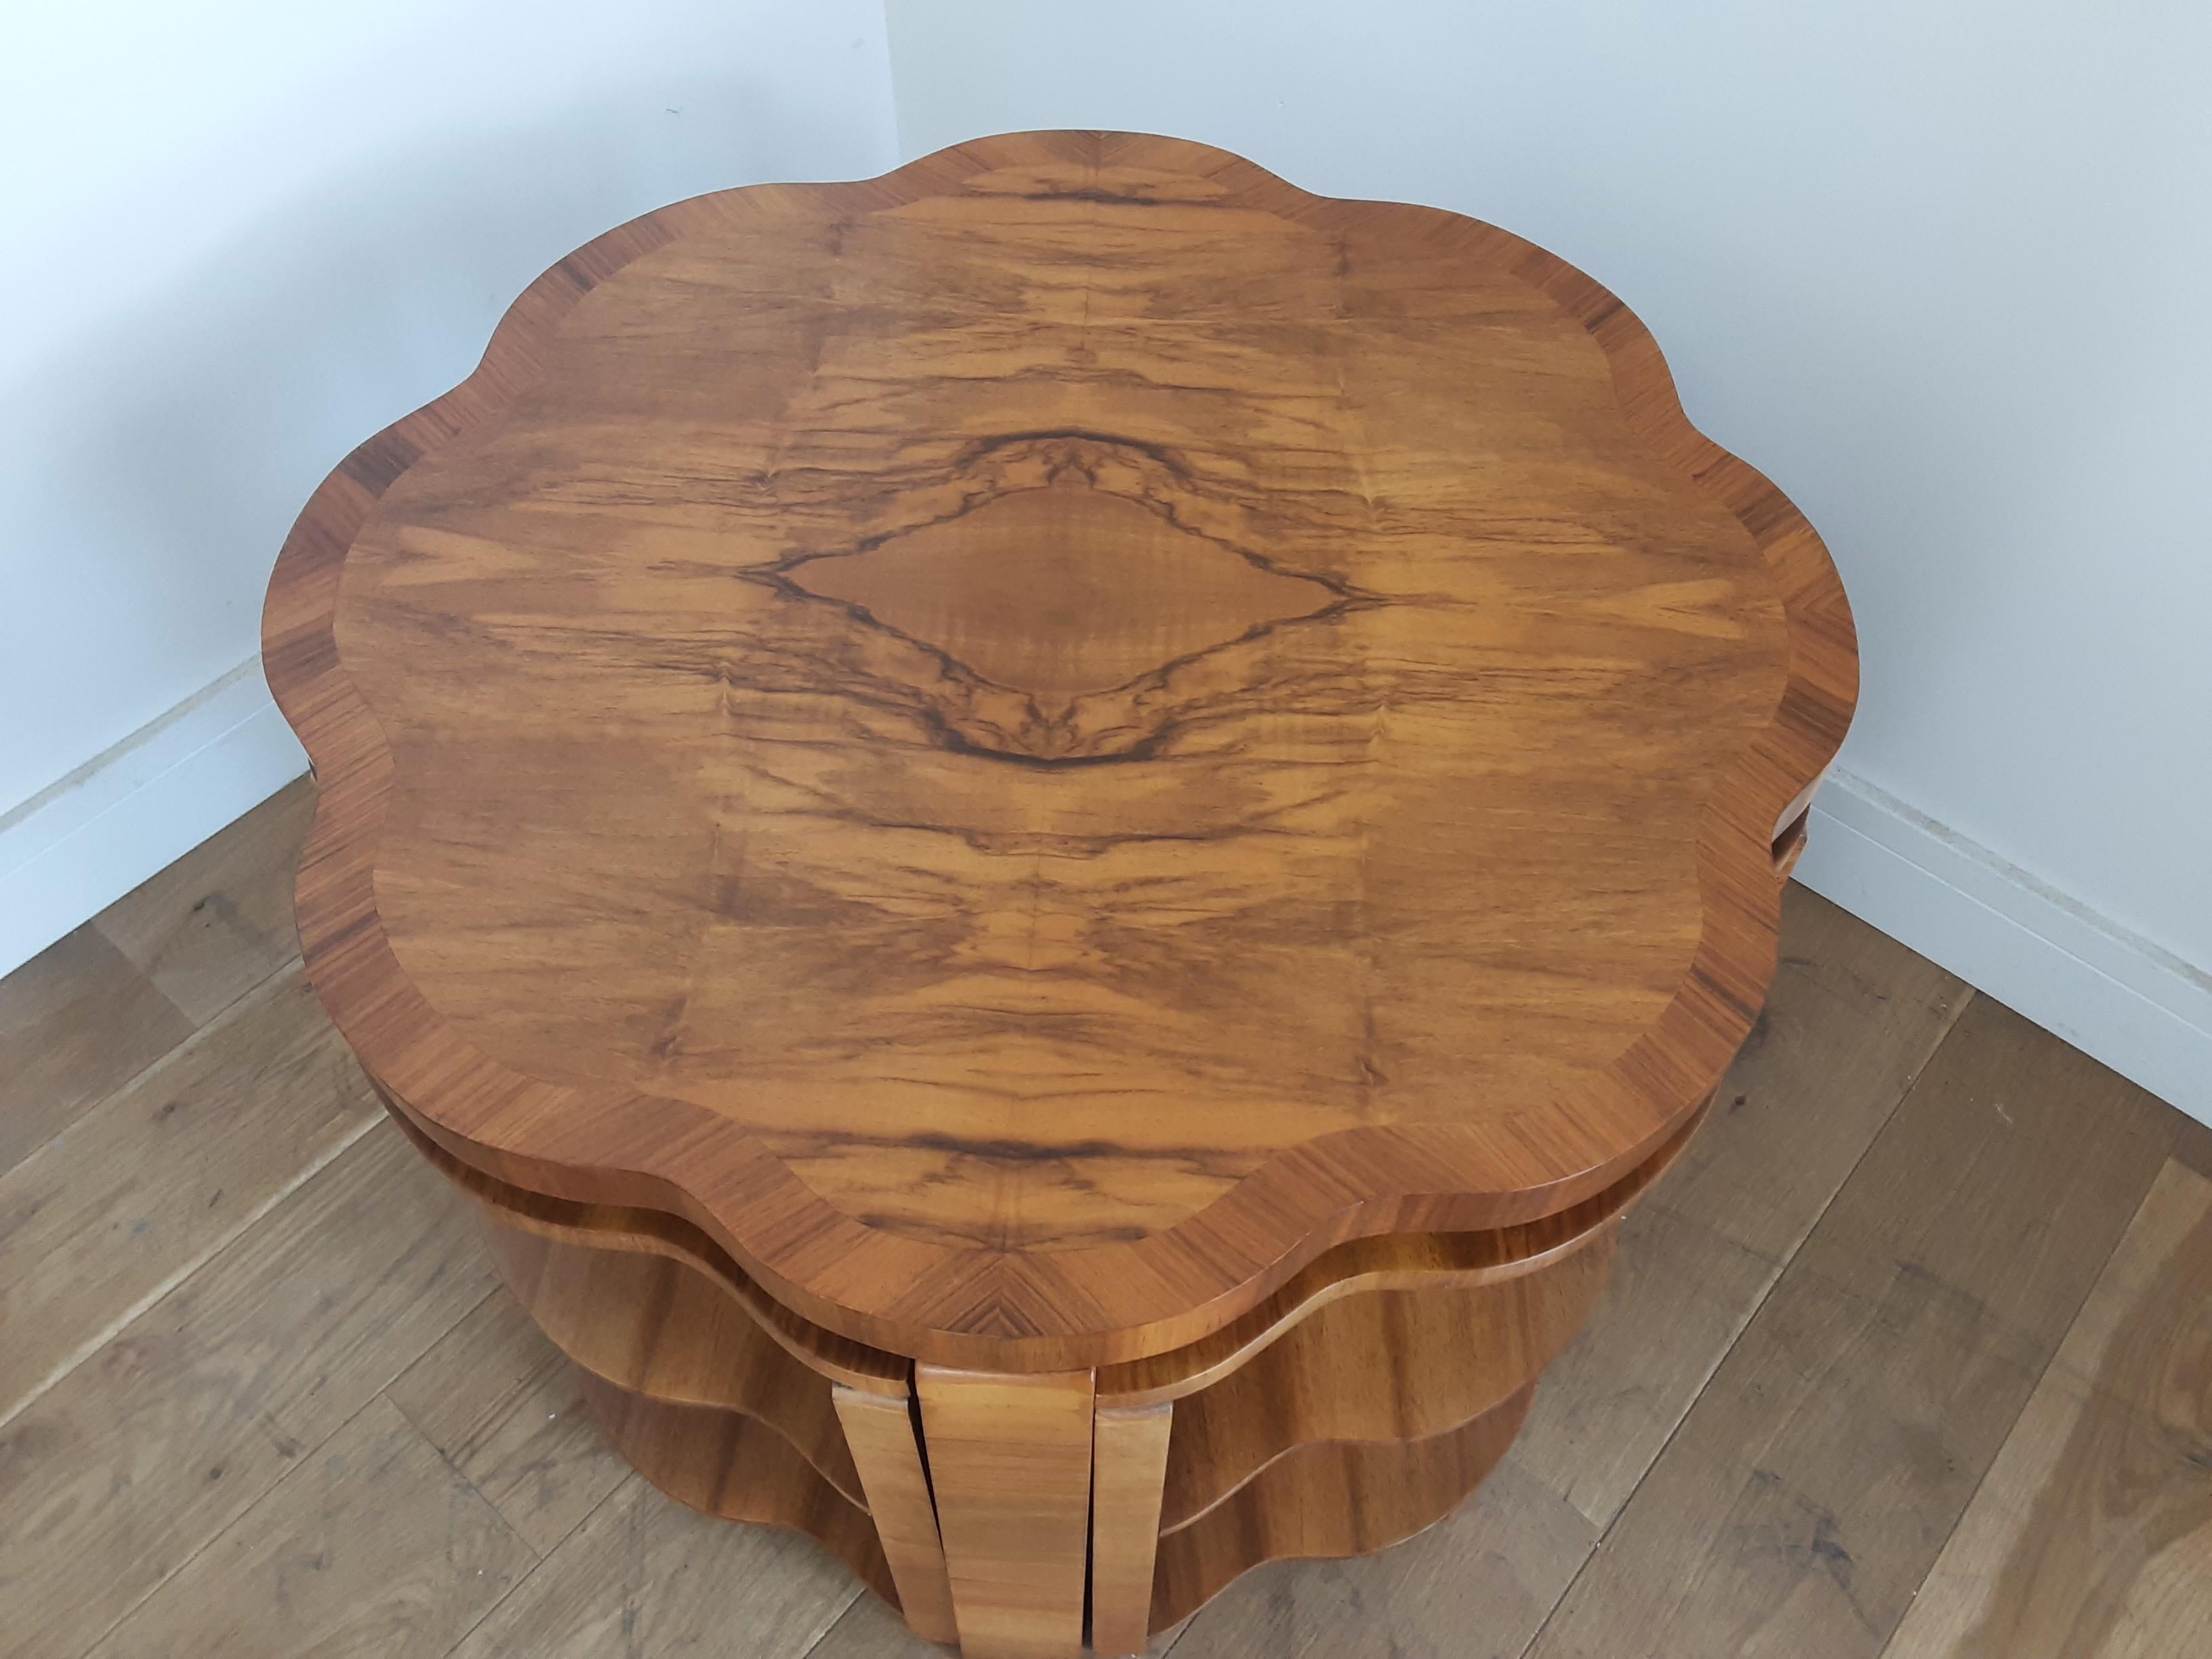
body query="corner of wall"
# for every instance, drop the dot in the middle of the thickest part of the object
(73, 849)
(2115, 995)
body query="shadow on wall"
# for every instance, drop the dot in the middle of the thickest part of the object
(163, 459)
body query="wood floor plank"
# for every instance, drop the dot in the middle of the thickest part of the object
(1816, 1477)
(157, 1177)
(502, 1404)
(370, 1545)
(869, 1629)
(1680, 1296)
(218, 922)
(1852, 1018)
(2192, 1144)
(78, 1022)
(647, 1578)
(2092, 1536)
(116, 1475)
(1474, 1586)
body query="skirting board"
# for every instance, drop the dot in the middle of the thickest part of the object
(2113, 994)
(73, 849)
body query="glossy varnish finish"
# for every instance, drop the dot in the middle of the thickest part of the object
(1331, 1498)
(735, 1466)
(654, 1328)
(1387, 1366)
(1054, 839)
(1382, 1356)
(1031, 742)
(1128, 1480)
(1355, 1407)
(328, 1335)
(880, 1432)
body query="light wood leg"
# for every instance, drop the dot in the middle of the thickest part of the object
(1128, 1472)
(880, 1431)
(1010, 1460)
(1360, 1409)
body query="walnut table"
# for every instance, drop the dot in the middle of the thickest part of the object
(1053, 836)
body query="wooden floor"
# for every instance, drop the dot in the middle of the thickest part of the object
(1911, 1355)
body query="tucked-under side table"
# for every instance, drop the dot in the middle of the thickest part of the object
(1053, 837)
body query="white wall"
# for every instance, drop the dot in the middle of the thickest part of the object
(243, 235)
(1939, 268)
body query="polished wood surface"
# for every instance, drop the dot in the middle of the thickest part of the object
(1010, 1468)
(888, 1451)
(1027, 746)
(597, 1227)
(1388, 1366)
(1435, 1262)
(1413, 1340)
(345, 1283)
(1329, 1498)
(654, 1328)
(737, 1467)
(1406, 1347)
(1128, 1480)
(1054, 839)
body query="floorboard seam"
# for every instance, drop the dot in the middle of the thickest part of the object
(2027, 1400)
(208, 1542)
(1781, 1269)
(115, 1327)
(182, 1046)
(619, 1487)
(291, 964)
(452, 1468)
(835, 1619)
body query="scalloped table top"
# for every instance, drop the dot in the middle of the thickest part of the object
(1031, 741)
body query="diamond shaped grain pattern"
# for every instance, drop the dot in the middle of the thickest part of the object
(1031, 742)
(1064, 590)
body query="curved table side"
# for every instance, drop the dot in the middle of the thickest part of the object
(1111, 1303)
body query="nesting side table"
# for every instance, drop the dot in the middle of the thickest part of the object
(1054, 837)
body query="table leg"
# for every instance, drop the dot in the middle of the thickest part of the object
(879, 1429)
(1128, 1472)
(1009, 1461)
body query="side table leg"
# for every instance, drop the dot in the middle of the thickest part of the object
(1128, 1476)
(1009, 1461)
(880, 1432)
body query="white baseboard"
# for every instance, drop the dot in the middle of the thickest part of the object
(74, 849)
(2110, 993)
